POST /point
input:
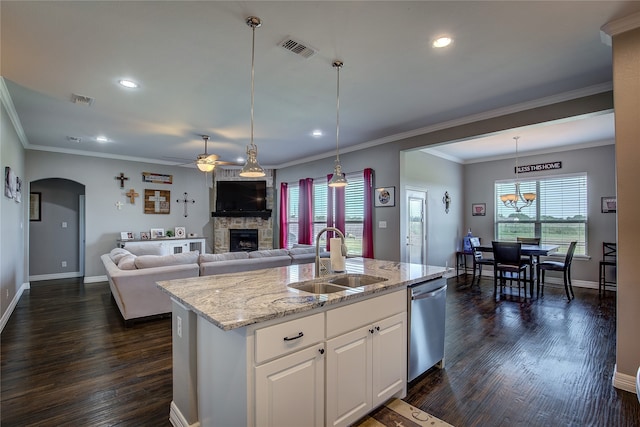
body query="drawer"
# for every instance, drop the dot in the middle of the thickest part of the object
(352, 316)
(283, 338)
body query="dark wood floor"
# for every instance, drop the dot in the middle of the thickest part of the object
(67, 359)
(544, 362)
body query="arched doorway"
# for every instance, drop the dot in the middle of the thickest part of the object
(56, 240)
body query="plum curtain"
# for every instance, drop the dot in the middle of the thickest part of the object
(305, 211)
(284, 215)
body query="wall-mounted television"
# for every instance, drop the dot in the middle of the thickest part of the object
(241, 196)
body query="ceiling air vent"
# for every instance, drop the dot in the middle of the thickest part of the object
(81, 100)
(74, 139)
(298, 47)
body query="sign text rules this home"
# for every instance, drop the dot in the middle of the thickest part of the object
(539, 167)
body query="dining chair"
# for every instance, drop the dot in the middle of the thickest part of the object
(609, 259)
(565, 267)
(530, 241)
(478, 259)
(508, 259)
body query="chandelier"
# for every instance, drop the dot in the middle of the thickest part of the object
(338, 179)
(513, 200)
(252, 168)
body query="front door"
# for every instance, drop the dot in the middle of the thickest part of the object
(416, 232)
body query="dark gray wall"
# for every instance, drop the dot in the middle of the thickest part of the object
(49, 242)
(599, 164)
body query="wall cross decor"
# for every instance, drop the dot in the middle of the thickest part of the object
(157, 201)
(131, 194)
(122, 179)
(186, 201)
(119, 205)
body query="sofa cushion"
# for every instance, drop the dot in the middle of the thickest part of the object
(222, 257)
(117, 253)
(147, 248)
(127, 262)
(268, 253)
(151, 261)
(302, 250)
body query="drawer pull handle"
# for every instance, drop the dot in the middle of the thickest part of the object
(300, 335)
(321, 350)
(371, 330)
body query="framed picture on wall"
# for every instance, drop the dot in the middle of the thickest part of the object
(478, 209)
(608, 204)
(385, 196)
(34, 206)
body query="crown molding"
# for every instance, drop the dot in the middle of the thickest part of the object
(5, 97)
(619, 26)
(515, 108)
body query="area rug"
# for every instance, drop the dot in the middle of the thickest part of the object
(396, 413)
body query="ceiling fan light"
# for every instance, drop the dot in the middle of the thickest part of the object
(205, 166)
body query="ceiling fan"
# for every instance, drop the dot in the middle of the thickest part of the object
(207, 162)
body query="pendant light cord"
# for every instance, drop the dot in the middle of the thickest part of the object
(253, 49)
(338, 115)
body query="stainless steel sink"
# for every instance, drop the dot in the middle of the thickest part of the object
(316, 287)
(356, 280)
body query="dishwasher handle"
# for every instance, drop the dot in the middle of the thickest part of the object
(415, 297)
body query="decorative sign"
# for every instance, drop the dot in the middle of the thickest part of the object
(539, 167)
(157, 178)
(157, 201)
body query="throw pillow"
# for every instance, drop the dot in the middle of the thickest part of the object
(116, 254)
(127, 262)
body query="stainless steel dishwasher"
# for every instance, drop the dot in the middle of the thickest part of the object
(426, 305)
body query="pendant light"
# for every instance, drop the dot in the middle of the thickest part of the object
(202, 162)
(512, 200)
(338, 179)
(252, 168)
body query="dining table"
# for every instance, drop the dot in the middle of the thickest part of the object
(528, 250)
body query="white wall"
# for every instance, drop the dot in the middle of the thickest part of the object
(436, 175)
(599, 164)
(12, 219)
(104, 221)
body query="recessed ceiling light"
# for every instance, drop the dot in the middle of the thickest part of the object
(442, 41)
(128, 83)
(102, 138)
(317, 133)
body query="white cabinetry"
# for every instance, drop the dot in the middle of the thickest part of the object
(290, 389)
(327, 368)
(366, 366)
(174, 246)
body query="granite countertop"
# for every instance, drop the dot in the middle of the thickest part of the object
(232, 301)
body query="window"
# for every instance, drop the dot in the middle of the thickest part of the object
(292, 214)
(354, 211)
(558, 215)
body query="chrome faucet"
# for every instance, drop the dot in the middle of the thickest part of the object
(343, 247)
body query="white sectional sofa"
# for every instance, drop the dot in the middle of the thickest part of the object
(134, 271)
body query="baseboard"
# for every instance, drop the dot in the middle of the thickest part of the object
(177, 419)
(556, 281)
(12, 305)
(623, 381)
(68, 275)
(95, 279)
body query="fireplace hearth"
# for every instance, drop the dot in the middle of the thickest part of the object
(243, 240)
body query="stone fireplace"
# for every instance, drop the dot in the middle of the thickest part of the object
(243, 239)
(222, 226)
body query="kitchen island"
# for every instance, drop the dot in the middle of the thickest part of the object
(248, 350)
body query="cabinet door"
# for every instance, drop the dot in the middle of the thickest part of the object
(349, 377)
(290, 390)
(389, 358)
